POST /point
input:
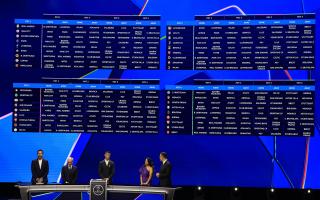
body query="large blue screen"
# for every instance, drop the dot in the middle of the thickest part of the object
(256, 161)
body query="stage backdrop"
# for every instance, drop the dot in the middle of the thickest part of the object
(289, 162)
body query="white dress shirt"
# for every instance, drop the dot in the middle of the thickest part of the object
(164, 161)
(107, 162)
(40, 163)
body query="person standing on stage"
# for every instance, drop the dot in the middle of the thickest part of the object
(39, 169)
(106, 168)
(69, 172)
(146, 172)
(164, 174)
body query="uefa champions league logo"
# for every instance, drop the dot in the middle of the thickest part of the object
(98, 190)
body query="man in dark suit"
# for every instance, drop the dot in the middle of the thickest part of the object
(69, 172)
(39, 169)
(164, 174)
(106, 167)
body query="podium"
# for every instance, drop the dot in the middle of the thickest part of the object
(98, 190)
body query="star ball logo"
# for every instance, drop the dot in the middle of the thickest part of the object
(98, 190)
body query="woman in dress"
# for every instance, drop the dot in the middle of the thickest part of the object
(146, 172)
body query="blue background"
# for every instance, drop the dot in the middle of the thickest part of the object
(288, 162)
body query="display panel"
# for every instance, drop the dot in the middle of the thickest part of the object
(253, 42)
(87, 106)
(272, 108)
(88, 42)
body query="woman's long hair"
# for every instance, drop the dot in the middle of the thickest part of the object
(149, 161)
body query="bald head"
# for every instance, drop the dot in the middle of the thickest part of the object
(70, 161)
